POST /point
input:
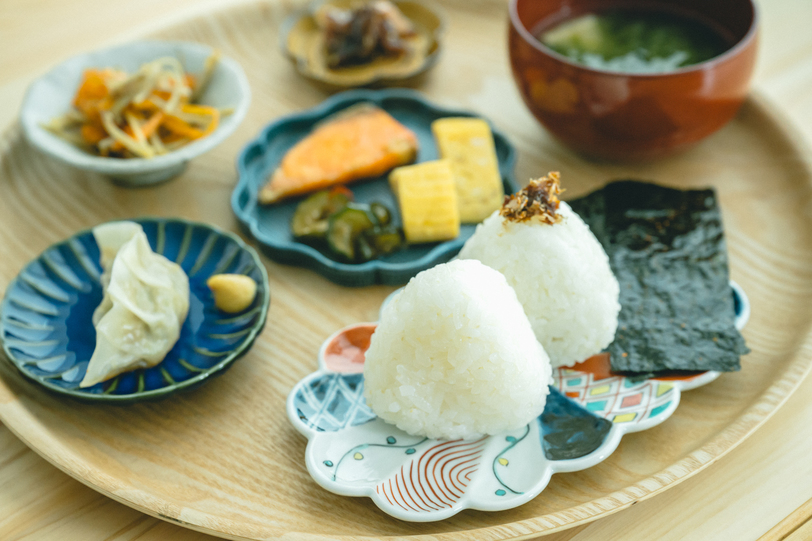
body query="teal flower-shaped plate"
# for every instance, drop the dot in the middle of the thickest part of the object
(46, 315)
(270, 224)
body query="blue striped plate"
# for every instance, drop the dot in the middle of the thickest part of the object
(47, 331)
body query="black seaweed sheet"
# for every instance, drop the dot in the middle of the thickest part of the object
(667, 250)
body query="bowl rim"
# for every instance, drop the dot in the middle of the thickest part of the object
(162, 392)
(752, 31)
(51, 145)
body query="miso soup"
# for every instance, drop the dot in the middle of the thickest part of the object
(635, 41)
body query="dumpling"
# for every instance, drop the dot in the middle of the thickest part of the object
(146, 299)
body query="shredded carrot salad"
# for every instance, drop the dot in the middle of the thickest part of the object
(140, 115)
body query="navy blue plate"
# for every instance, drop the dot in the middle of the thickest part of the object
(270, 225)
(46, 315)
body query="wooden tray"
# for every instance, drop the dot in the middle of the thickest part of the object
(224, 459)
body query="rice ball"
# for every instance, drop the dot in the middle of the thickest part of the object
(454, 356)
(561, 276)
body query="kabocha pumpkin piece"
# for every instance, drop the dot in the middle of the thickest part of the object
(360, 142)
(428, 201)
(468, 144)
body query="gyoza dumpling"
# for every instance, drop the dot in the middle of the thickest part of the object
(146, 299)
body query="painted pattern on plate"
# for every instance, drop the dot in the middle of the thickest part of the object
(352, 452)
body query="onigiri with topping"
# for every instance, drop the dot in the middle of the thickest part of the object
(454, 356)
(557, 267)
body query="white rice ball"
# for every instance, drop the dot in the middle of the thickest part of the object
(561, 276)
(454, 356)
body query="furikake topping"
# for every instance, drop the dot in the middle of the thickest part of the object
(538, 199)
(667, 250)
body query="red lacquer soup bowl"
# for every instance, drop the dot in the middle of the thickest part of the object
(628, 116)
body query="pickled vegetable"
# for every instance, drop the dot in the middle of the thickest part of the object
(386, 240)
(363, 249)
(345, 229)
(355, 232)
(311, 219)
(382, 214)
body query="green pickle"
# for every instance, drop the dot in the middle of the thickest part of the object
(355, 232)
(345, 228)
(363, 249)
(311, 219)
(381, 213)
(386, 240)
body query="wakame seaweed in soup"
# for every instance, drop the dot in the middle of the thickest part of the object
(635, 41)
(667, 250)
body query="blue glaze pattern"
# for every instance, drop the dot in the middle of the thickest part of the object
(332, 402)
(46, 315)
(587, 413)
(568, 430)
(270, 225)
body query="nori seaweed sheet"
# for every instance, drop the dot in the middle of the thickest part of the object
(667, 250)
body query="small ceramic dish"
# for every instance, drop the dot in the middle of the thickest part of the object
(351, 452)
(50, 96)
(270, 225)
(46, 315)
(303, 42)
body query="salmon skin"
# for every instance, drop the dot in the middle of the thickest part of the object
(359, 142)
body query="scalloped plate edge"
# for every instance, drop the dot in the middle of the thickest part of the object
(470, 500)
(371, 272)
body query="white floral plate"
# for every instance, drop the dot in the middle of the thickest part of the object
(354, 453)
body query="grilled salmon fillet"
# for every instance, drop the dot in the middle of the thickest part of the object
(360, 142)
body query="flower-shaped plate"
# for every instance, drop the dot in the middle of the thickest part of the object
(46, 315)
(354, 453)
(302, 41)
(270, 225)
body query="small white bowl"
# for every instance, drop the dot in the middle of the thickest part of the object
(51, 96)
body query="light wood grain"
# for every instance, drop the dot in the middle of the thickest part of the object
(795, 527)
(309, 308)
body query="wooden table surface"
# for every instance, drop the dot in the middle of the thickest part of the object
(743, 496)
